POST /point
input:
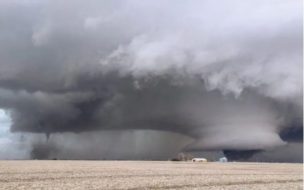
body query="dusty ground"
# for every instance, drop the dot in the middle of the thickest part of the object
(138, 175)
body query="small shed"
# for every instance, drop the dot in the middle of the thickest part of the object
(223, 159)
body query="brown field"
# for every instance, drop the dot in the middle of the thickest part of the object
(138, 175)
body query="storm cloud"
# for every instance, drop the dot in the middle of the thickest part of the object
(227, 74)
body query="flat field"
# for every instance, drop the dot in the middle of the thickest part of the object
(139, 175)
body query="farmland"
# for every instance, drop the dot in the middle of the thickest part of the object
(137, 175)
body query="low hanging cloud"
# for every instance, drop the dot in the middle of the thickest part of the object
(227, 74)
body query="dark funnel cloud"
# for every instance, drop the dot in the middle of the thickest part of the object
(212, 75)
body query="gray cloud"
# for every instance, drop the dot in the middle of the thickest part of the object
(228, 76)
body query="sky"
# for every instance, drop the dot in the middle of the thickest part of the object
(5, 123)
(10, 141)
(115, 79)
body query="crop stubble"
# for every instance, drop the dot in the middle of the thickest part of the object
(137, 175)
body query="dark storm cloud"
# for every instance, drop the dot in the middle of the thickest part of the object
(229, 76)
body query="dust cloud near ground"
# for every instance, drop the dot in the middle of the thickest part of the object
(135, 175)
